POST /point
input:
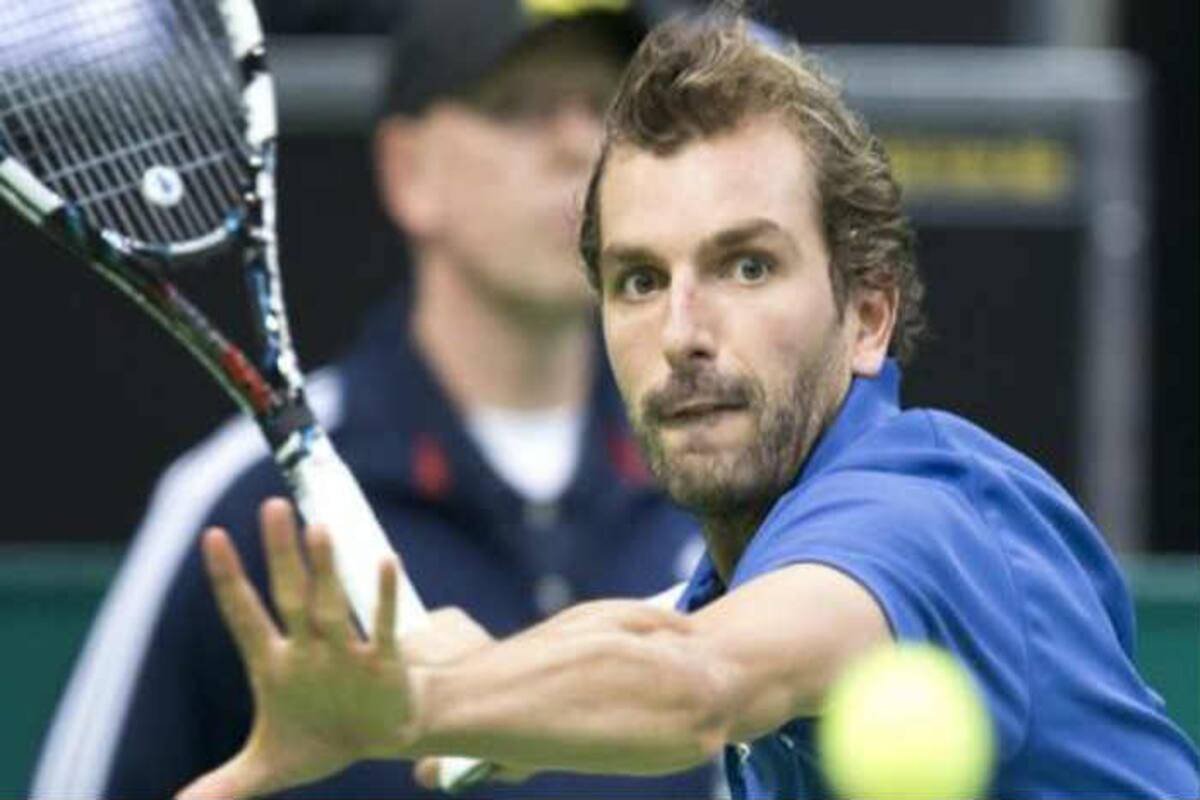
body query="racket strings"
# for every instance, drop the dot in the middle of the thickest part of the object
(59, 106)
(203, 46)
(148, 87)
(216, 186)
(131, 109)
(41, 116)
(182, 148)
(97, 168)
(55, 156)
(148, 145)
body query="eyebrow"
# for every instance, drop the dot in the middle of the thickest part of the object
(730, 238)
(742, 234)
(627, 254)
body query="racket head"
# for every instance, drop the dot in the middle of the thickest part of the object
(152, 119)
(140, 135)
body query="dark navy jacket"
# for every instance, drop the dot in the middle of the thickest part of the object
(159, 694)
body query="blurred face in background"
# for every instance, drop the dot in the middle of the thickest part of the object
(492, 181)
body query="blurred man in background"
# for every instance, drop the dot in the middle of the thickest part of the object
(478, 416)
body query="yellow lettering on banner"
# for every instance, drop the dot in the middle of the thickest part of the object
(1026, 168)
(572, 8)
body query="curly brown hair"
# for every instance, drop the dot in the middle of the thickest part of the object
(699, 76)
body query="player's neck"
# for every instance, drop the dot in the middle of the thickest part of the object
(486, 355)
(726, 537)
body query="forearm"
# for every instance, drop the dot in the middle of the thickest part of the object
(607, 687)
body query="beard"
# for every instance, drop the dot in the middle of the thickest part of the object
(743, 482)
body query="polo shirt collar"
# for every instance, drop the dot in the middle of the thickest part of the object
(869, 401)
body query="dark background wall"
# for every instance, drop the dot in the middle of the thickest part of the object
(1164, 33)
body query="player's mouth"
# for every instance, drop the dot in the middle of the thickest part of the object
(703, 412)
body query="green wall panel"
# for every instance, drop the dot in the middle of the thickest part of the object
(48, 596)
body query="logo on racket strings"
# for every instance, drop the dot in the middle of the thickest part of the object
(162, 186)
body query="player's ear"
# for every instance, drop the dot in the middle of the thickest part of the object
(401, 175)
(872, 315)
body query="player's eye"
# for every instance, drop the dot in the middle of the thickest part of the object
(750, 269)
(638, 283)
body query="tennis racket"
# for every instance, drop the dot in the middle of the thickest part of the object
(140, 135)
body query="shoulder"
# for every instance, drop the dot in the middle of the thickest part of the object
(900, 508)
(902, 475)
(881, 514)
(923, 468)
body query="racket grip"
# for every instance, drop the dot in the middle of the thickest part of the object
(327, 493)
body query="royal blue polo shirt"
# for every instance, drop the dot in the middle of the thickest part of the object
(967, 544)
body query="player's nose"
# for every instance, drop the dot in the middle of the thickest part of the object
(687, 335)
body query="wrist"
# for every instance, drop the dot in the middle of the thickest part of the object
(413, 733)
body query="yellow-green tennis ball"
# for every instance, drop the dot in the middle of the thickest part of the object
(906, 722)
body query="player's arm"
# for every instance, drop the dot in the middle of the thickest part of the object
(610, 686)
(618, 686)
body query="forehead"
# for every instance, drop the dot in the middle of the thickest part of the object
(661, 202)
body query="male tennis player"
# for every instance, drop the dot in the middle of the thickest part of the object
(754, 272)
(480, 418)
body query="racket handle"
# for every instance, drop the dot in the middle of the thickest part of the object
(327, 493)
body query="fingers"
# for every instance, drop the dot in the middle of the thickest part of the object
(329, 609)
(384, 630)
(243, 611)
(303, 603)
(288, 575)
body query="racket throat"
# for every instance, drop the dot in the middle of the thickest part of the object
(291, 429)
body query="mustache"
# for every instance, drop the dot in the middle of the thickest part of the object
(684, 389)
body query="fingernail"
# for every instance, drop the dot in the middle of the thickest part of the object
(212, 560)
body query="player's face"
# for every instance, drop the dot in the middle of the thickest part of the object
(719, 315)
(513, 174)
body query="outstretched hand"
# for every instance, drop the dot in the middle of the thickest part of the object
(323, 697)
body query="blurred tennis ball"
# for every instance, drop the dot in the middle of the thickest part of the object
(906, 722)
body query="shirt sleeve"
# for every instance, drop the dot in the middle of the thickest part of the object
(922, 550)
